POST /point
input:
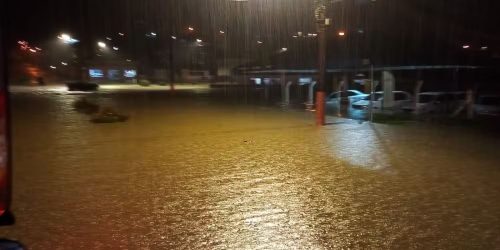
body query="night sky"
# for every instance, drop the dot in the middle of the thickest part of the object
(410, 31)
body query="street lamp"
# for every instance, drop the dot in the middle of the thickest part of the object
(101, 45)
(67, 39)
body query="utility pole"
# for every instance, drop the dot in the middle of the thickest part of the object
(83, 48)
(321, 23)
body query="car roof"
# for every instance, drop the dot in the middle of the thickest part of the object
(352, 90)
(396, 91)
(489, 96)
(435, 93)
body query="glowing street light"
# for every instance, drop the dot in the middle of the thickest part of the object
(199, 40)
(101, 45)
(67, 39)
(222, 32)
(466, 46)
(190, 28)
(174, 37)
(64, 63)
(121, 34)
(116, 48)
(53, 67)
(484, 48)
(260, 42)
(341, 33)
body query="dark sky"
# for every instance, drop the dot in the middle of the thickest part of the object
(406, 29)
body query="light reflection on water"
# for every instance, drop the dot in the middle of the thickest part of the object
(359, 145)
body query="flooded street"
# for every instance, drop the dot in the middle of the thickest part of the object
(192, 171)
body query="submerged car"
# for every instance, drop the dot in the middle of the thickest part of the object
(401, 98)
(82, 86)
(345, 97)
(488, 105)
(436, 102)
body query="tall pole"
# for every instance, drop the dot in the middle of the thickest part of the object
(372, 89)
(321, 22)
(83, 48)
(171, 62)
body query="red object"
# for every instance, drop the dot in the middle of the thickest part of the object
(320, 108)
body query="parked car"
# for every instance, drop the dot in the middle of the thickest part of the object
(82, 86)
(436, 102)
(401, 99)
(430, 102)
(346, 97)
(488, 105)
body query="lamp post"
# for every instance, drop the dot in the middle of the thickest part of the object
(321, 23)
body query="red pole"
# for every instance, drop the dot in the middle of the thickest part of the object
(320, 94)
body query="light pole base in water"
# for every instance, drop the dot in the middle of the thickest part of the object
(320, 108)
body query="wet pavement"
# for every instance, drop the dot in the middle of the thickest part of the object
(190, 171)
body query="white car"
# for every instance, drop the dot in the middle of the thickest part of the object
(436, 102)
(348, 97)
(401, 99)
(488, 105)
(430, 102)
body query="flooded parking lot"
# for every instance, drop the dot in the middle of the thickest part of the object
(189, 171)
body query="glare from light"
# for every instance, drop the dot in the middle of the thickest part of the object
(67, 39)
(174, 37)
(33, 50)
(295, 36)
(53, 67)
(64, 63)
(260, 42)
(190, 28)
(153, 33)
(466, 46)
(116, 48)
(221, 31)
(101, 44)
(39, 49)
(199, 40)
(128, 60)
(284, 49)
(341, 33)
(120, 34)
(109, 38)
(484, 48)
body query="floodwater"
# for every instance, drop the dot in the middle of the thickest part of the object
(188, 171)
